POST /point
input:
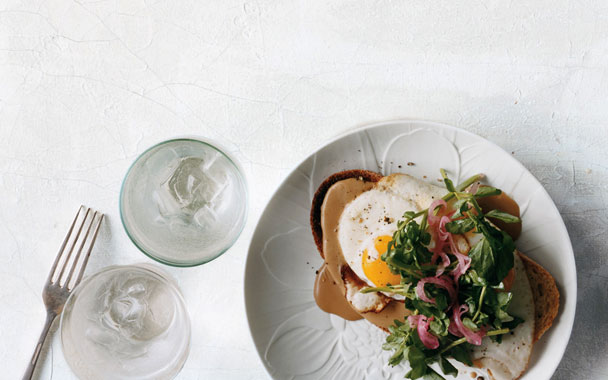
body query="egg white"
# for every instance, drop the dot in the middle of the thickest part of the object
(376, 213)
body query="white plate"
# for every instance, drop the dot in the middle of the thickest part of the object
(297, 340)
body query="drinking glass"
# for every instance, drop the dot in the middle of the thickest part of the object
(183, 202)
(126, 322)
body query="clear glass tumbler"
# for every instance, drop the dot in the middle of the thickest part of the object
(183, 202)
(126, 322)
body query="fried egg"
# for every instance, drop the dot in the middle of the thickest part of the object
(365, 228)
(368, 222)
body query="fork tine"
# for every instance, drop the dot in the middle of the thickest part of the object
(79, 252)
(65, 242)
(67, 259)
(86, 257)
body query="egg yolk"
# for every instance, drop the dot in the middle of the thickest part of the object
(377, 271)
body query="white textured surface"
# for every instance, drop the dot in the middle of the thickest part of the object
(87, 85)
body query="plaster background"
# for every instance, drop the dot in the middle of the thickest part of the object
(85, 86)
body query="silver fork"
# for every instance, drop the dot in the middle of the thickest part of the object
(60, 283)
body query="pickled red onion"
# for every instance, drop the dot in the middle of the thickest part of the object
(443, 282)
(445, 260)
(457, 328)
(442, 236)
(433, 219)
(442, 233)
(420, 291)
(452, 329)
(421, 323)
(464, 261)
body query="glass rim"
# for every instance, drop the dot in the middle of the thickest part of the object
(142, 267)
(182, 264)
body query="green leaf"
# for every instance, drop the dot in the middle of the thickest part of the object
(483, 319)
(513, 324)
(502, 316)
(469, 324)
(441, 299)
(407, 252)
(425, 238)
(461, 206)
(504, 299)
(482, 258)
(472, 304)
(397, 342)
(487, 191)
(492, 257)
(473, 278)
(446, 367)
(505, 217)
(417, 361)
(439, 327)
(424, 308)
(432, 375)
(504, 251)
(461, 354)
(460, 226)
(398, 355)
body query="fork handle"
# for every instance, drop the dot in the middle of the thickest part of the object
(50, 317)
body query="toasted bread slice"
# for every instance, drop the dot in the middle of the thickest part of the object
(317, 200)
(546, 296)
(544, 289)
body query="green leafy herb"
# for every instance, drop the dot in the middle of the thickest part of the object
(461, 206)
(407, 252)
(417, 361)
(492, 256)
(460, 226)
(461, 354)
(480, 288)
(501, 215)
(487, 191)
(482, 258)
(446, 367)
(432, 375)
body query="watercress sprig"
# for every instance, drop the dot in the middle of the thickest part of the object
(480, 288)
